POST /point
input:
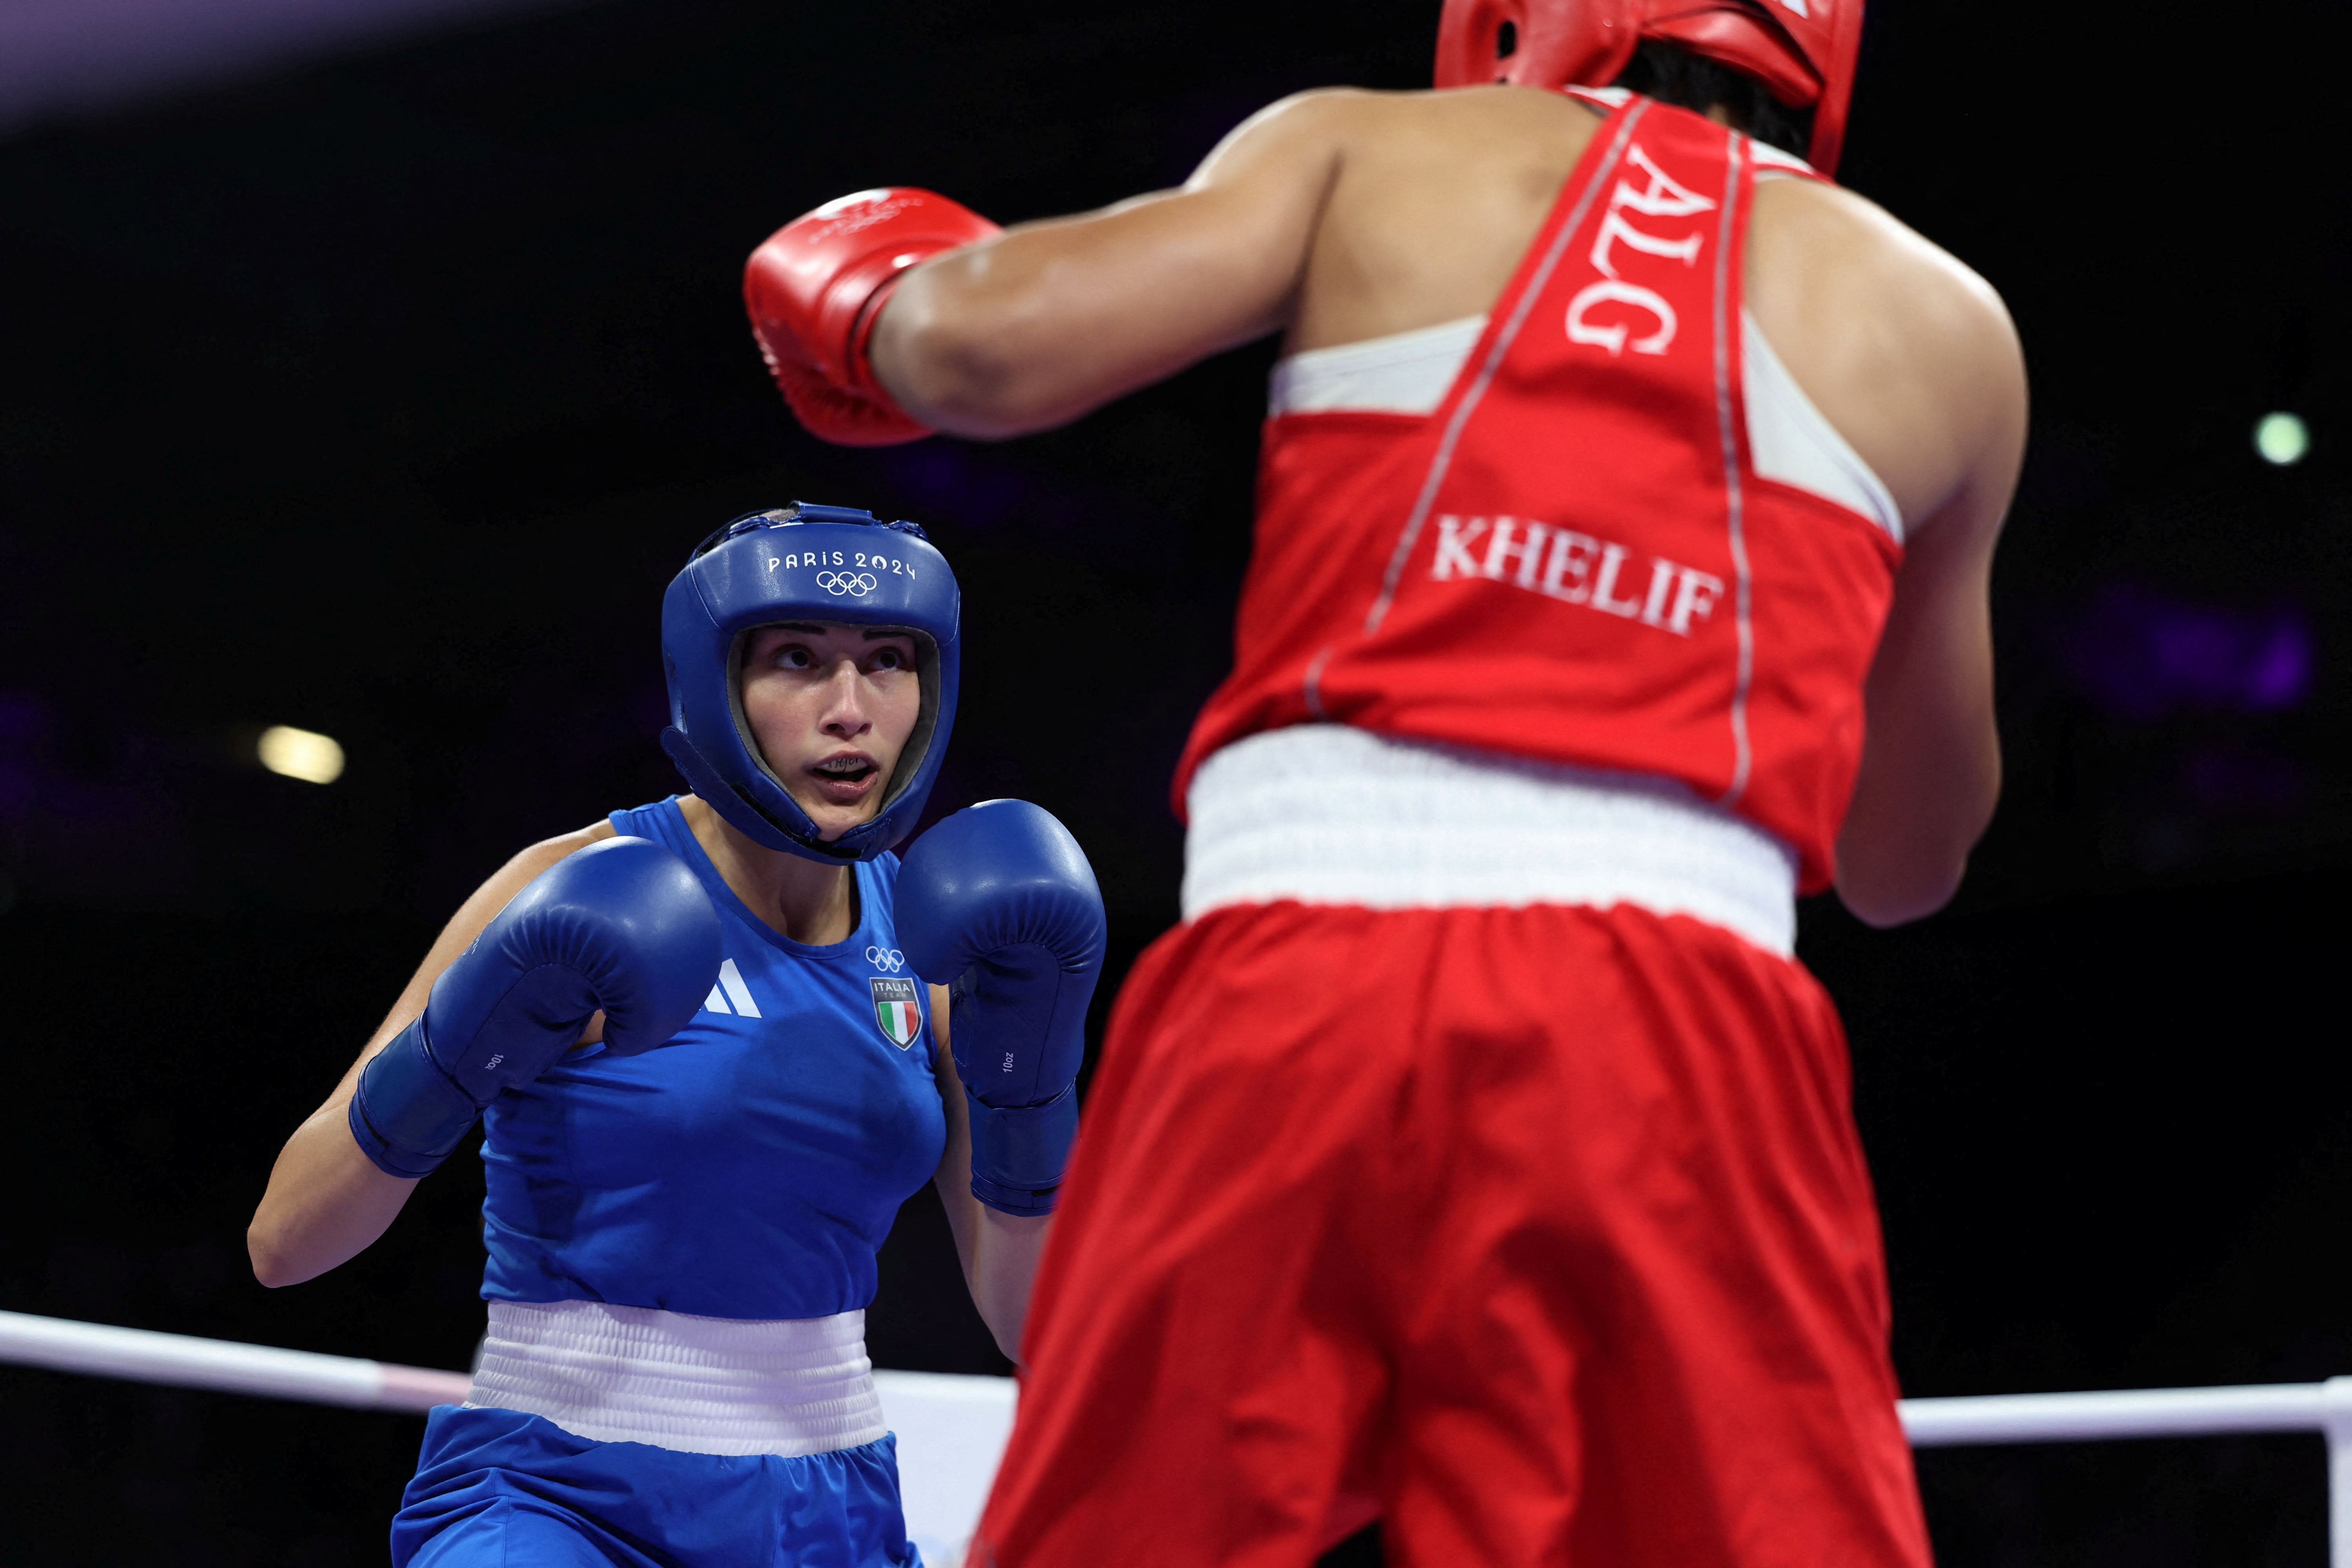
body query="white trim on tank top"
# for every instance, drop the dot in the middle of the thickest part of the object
(1790, 440)
(692, 1384)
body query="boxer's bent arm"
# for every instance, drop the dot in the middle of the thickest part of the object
(1931, 755)
(327, 1201)
(1051, 319)
(999, 1251)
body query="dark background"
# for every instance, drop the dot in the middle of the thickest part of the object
(383, 396)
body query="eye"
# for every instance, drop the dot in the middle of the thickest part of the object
(794, 655)
(892, 659)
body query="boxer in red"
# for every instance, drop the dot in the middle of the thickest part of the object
(1475, 1154)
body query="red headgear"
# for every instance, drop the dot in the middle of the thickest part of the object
(1802, 50)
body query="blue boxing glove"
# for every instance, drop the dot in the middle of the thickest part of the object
(998, 903)
(623, 925)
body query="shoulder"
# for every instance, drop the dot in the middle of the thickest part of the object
(1843, 247)
(1908, 351)
(1306, 129)
(477, 911)
(1317, 112)
(539, 857)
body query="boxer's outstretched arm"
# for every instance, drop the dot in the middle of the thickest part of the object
(1931, 756)
(327, 1202)
(1052, 318)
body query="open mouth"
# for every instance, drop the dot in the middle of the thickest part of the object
(849, 769)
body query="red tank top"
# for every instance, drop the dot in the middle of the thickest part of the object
(1573, 558)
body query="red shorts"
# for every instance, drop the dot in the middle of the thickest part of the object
(1543, 1233)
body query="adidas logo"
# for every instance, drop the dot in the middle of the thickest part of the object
(730, 989)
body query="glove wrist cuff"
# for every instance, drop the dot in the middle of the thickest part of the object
(1019, 1152)
(857, 368)
(406, 1115)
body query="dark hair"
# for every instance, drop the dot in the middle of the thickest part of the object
(1671, 74)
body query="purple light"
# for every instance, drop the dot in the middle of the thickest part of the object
(2280, 674)
(2144, 654)
(63, 57)
(23, 722)
(23, 734)
(950, 479)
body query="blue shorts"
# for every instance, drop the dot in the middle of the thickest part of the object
(498, 1488)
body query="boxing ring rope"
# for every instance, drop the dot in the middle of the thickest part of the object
(950, 1429)
(142, 1355)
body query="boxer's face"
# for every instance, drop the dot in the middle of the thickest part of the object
(830, 707)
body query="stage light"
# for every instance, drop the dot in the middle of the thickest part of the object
(2281, 438)
(301, 754)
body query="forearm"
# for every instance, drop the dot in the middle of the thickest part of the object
(1053, 320)
(1000, 1268)
(1906, 843)
(1050, 319)
(998, 1251)
(1930, 767)
(326, 1202)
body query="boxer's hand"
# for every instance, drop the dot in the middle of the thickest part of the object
(814, 288)
(623, 925)
(998, 903)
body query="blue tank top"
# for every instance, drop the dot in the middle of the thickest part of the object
(749, 1167)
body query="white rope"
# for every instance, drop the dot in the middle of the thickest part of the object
(966, 1419)
(2135, 1412)
(145, 1356)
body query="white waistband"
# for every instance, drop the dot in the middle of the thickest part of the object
(1329, 814)
(699, 1385)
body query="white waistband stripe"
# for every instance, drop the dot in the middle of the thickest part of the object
(1328, 814)
(699, 1385)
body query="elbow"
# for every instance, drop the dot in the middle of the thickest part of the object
(951, 366)
(271, 1264)
(1893, 868)
(268, 1267)
(1910, 883)
(1005, 1326)
(1892, 901)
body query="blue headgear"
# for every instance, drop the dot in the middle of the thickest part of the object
(803, 564)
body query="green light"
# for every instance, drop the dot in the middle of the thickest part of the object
(2282, 439)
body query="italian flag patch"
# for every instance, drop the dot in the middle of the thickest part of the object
(897, 1008)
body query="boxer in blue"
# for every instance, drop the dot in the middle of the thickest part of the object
(699, 1034)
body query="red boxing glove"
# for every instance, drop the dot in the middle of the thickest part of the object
(815, 289)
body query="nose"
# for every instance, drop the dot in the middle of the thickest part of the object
(844, 707)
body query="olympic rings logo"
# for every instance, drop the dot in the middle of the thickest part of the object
(889, 958)
(857, 584)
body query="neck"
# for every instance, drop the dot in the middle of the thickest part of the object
(801, 900)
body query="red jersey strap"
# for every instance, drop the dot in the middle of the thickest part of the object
(1585, 184)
